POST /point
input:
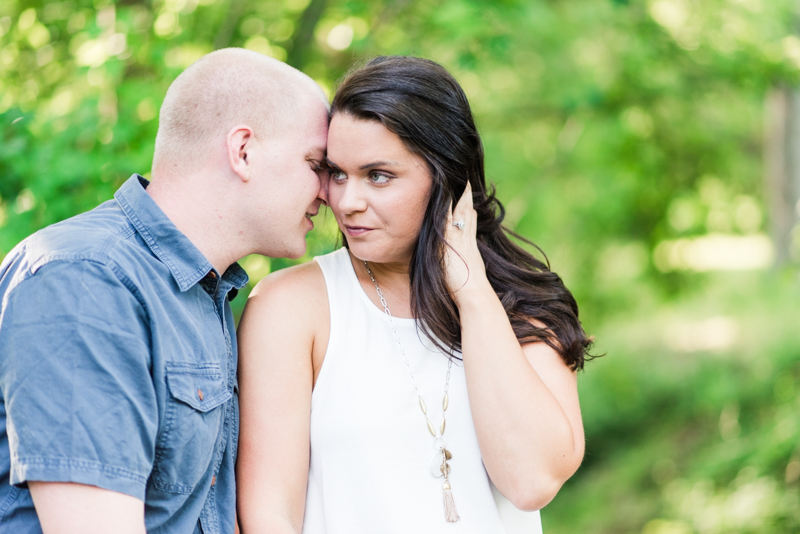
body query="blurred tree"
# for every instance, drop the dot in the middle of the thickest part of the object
(782, 164)
(304, 33)
(782, 168)
(602, 119)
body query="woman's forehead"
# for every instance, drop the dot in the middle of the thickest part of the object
(358, 142)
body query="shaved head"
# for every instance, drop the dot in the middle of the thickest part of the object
(227, 88)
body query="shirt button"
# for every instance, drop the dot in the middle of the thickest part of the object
(213, 480)
(211, 274)
(200, 394)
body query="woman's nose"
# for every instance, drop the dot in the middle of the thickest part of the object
(352, 199)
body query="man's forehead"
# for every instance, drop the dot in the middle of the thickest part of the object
(311, 126)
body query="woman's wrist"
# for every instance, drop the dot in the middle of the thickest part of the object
(474, 295)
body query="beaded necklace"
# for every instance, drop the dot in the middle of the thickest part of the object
(438, 464)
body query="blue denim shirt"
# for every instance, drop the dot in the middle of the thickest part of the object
(118, 367)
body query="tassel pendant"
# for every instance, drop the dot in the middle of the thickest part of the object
(450, 514)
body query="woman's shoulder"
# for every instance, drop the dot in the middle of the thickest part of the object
(289, 309)
(293, 283)
(291, 296)
(297, 294)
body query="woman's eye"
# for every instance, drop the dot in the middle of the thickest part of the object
(338, 176)
(378, 178)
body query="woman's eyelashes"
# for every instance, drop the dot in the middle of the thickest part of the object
(374, 177)
(379, 178)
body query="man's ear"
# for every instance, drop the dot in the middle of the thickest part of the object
(240, 143)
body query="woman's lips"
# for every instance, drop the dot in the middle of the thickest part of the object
(355, 231)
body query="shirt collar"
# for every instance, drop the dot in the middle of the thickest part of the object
(186, 263)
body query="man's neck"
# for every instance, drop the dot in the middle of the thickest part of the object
(201, 213)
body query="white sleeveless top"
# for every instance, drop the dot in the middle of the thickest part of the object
(370, 447)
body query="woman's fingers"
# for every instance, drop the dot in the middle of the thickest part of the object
(464, 211)
(450, 214)
(463, 262)
(464, 203)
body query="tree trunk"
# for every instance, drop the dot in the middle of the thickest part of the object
(234, 13)
(304, 34)
(782, 170)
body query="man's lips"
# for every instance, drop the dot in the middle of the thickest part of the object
(356, 230)
(308, 217)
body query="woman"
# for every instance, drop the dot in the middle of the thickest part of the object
(427, 348)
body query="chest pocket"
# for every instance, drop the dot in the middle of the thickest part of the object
(193, 421)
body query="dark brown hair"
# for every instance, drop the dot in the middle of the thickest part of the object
(420, 102)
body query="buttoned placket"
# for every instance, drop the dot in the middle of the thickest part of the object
(221, 287)
(188, 268)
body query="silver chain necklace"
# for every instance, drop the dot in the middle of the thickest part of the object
(438, 464)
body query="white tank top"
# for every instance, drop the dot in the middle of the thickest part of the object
(370, 447)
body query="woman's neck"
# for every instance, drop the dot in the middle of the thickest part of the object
(394, 281)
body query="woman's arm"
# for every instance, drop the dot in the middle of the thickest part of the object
(524, 403)
(524, 400)
(286, 314)
(70, 508)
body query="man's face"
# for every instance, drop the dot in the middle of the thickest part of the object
(288, 168)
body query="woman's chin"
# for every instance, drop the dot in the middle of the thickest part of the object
(375, 255)
(362, 253)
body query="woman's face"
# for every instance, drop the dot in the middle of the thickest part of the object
(378, 189)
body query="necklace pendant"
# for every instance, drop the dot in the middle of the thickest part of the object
(444, 467)
(450, 513)
(437, 463)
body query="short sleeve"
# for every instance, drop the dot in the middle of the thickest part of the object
(75, 378)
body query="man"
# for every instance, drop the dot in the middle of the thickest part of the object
(118, 389)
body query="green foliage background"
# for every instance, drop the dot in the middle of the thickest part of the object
(611, 128)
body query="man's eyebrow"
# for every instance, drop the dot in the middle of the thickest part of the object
(316, 152)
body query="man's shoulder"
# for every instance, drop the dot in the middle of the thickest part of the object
(91, 235)
(96, 236)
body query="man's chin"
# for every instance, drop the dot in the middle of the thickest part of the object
(293, 256)
(294, 253)
(292, 246)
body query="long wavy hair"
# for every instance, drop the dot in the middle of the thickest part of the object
(420, 102)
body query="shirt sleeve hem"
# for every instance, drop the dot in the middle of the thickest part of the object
(41, 469)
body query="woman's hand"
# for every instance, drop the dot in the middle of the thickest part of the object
(465, 272)
(524, 401)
